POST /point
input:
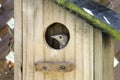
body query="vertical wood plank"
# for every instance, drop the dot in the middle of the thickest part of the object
(88, 52)
(70, 48)
(79, 50)
(108, 57)
(61, 53)
(91, 50)
(53, 55)
(47, 21)
(38, 36)
(28, 39)
(18, 39)
(98, 55)
(24, 38)
(104, 55)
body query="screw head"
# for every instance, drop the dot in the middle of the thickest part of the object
(44, 67)
(62, 67)
(6, 73)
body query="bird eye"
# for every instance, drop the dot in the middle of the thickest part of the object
(60, 37)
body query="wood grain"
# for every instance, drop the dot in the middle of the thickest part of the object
(34, 36)
(86, 49)
(18, 40)
(103, 56)
(54, 66)
(28, 39)
(38, 38)
(98, 55)
(108, 57)
(69, 52)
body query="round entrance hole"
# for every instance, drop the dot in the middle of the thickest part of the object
(57, 35)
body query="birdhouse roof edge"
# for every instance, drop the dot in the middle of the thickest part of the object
(107, 21)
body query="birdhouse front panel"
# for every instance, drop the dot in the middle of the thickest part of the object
(46, 28)
(56, 45)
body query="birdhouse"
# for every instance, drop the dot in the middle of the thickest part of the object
(58, 42)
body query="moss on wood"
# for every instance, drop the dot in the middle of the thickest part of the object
(91, 19)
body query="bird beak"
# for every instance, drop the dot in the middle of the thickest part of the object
(54, 37)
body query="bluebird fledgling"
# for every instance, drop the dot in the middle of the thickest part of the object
(61, 38)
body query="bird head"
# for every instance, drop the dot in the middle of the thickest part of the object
(61, 38)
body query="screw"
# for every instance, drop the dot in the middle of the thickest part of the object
(44, 67)
(6, 73)
(62, 67)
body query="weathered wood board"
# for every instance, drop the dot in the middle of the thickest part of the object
(83, 49)
(103, 56)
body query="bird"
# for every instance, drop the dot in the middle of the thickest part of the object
(61, 38)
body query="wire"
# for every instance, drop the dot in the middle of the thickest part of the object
(11, 44)
(9, 30)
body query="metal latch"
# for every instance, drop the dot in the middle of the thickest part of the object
(54, 66)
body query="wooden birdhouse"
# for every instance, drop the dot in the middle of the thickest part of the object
(52, 43)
